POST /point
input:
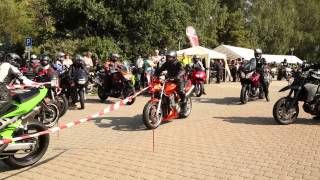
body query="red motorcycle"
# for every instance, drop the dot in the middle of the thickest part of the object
(198, 77)
(250, 81)
(164, 104)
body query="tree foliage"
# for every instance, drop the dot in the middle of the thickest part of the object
(134, 27)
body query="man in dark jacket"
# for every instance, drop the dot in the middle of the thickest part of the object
(175, 71)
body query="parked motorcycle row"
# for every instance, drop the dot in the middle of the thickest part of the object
(38, 109)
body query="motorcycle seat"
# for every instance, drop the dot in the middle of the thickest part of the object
(6, 107)
(23, 97)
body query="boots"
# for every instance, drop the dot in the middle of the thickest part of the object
(267, 98)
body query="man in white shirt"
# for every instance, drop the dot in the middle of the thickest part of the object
(88, 60)
(67, 61)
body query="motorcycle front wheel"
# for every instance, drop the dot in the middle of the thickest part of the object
(198, 89)
(150, 118)
(131, 92)
(63, 104)
(244, 94)
(283, 114)
(24, 158)
(81, 98)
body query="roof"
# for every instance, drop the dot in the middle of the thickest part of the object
(199, 50)
(279, 58)
(233, 52)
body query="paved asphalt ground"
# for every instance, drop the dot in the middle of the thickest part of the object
(220, 140)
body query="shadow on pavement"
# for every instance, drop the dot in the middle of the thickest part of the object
(4, 168)
(265, 120)
(121, 123)
(223, 101)
(94, 101)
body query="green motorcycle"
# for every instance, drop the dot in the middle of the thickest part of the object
(21, 117)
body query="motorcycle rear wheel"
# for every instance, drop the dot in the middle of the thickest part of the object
(102, 94)
(282, 114)
(150, 118)
(42, 143)
(244, 94)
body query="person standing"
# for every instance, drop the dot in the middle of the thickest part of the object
(218, 67)
(67, 62)
(139, 64)
(88, 60)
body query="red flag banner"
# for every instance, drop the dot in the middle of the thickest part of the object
(192, 36)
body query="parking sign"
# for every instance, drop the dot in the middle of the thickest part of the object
(29, 42)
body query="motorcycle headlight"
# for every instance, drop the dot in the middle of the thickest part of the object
(81, 81)
(54, 82)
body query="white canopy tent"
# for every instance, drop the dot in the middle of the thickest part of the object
(279, 58)
(207, 54)
(202, 51)
(233, 52)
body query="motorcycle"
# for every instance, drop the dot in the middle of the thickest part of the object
(54, 91)
(20, 117)
(305, 88)
(49, 111)
(250, 81)
(164, 104)
(198, 77)
(91, 83)
(117, 83)
(78, 84)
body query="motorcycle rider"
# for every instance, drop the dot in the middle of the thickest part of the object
(8, 71)
(197, 65)
(45, 71)
(111, 66)
(260, 65)
(78, 64)
(58, 65)
(175, 71)
(284, 63)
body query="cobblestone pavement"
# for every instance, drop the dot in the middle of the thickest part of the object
(220, 140)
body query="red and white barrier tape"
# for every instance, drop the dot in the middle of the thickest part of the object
(109, 109)
(22, 86)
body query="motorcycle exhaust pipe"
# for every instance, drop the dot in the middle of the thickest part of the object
(190, 91)
(34, 112)
(19, 146)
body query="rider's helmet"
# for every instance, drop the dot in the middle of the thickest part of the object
(171, 55)
(60, 56)
(285, 60)
(33, 57)
(258, 53)
(195, 58)
(115, 57)
(78, 60)
(14, 59)
(44, 60)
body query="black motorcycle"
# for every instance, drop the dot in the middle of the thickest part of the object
(79, 80)
(116, 84)
(305, 87)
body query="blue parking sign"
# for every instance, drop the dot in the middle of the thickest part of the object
(29, 42)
